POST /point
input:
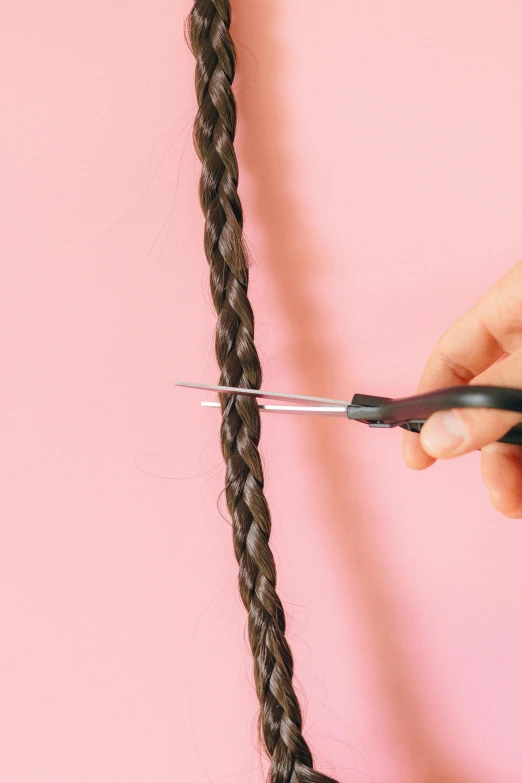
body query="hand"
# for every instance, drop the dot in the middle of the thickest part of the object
(469, 353)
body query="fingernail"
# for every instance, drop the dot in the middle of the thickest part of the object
(444, 433)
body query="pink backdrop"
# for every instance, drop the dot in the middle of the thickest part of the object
(380, 149)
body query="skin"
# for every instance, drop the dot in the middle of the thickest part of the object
(483, 347)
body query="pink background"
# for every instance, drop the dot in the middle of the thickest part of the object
(380, 148)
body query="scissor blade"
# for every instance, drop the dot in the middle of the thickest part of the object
(309, 410)
(281, 396)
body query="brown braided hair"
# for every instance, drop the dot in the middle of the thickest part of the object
(280, 720)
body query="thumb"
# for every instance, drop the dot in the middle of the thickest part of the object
(455, 432)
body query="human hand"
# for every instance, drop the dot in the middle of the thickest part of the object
(468, 353)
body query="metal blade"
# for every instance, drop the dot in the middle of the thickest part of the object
(265, 394)
(310, 410)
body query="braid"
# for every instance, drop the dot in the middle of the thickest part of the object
(280, 720)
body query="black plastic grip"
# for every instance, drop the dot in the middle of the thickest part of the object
(411, 412)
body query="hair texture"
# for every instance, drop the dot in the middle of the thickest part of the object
(280, 719)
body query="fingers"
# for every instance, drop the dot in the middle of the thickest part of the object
(461, 353)
(468, 353)
(480, 337)
(501, 467)
(452, 433)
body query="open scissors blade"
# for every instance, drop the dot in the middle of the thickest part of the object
(266, 395)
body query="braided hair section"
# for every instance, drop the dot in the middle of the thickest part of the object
(280, 719)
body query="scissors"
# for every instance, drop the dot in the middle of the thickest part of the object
(410, 413)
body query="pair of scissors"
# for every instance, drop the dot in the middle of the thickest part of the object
(410, 413)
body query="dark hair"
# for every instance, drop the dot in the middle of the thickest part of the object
(280, 720)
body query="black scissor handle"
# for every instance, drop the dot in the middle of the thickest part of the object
(410, 413)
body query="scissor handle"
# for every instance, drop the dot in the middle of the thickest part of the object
(410, 413)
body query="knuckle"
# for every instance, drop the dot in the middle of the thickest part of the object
(444, 356)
